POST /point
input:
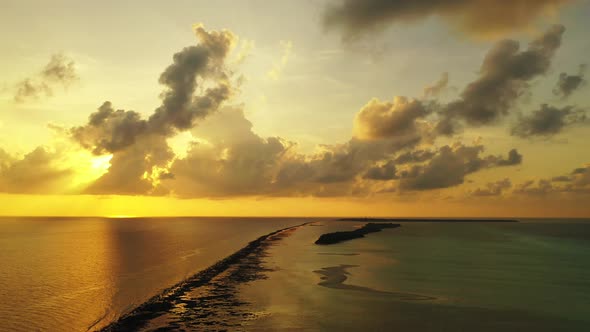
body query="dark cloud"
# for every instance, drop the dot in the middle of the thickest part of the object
(388, 171)
(195, 85)
(576, 182)
(568, 84)
(514, 158)
(438, 87)
(474, 17)
(59, 72)
(548, 120)
(38, 172)
(229, 159)
(400, 118)
(493, 188)
(450, 165)
(180, 107)
(414, 156)
(504, 77)
(109, 130)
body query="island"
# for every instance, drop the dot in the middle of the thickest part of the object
(336, 237)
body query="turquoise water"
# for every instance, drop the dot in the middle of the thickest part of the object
(539, 267)
(532, 276)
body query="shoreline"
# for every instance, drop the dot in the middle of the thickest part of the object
(161, 303)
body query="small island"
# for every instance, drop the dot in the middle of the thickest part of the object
(336, 237)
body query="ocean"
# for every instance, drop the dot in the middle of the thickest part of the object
(82, 274)
(78, 274)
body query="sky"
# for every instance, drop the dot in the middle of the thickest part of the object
(295, 108)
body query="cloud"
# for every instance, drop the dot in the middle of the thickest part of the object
(397, 119)
(548, 120)
(109, 130)
(228, 159)
(438, 87)
(479, 18)
(568, 84)
(503, 77)
(390, 142)
(135, 170)
(387, 171)
(415, 156)
(195, 85)
(38, 172)
(576, 182)
(59, 72)
(277, 68)
(450, 165)
(493, 188)
(514, 158)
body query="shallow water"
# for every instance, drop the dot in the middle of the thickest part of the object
(74, 274)
(79, 274)
(533, 275)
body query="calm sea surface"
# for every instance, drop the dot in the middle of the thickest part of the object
(65, 274)
(75, 274)
(527, 276)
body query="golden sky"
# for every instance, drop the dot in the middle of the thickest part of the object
(286, 108)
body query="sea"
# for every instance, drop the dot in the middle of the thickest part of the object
(82, 274)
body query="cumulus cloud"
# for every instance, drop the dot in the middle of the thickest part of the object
(110, 130)
(59, 72)
(451, 165)
(228, 159)
(437, 87)
(474, 17)
(548, 120)
(38, 172)
(195, 85)
(568, 84)
(399, 118)
(493, 188)
(514, 158)
(576, 182)
(414, 156)
(135, 170)
(503, 77)
(389, 144)
(387, 171)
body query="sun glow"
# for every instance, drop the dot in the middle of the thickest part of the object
(87, 167)
(101, 164)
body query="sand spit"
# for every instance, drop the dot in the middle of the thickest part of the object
(335, 276)
(207, 300)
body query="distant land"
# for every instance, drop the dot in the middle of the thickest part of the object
(336, 237)
(427, 219)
